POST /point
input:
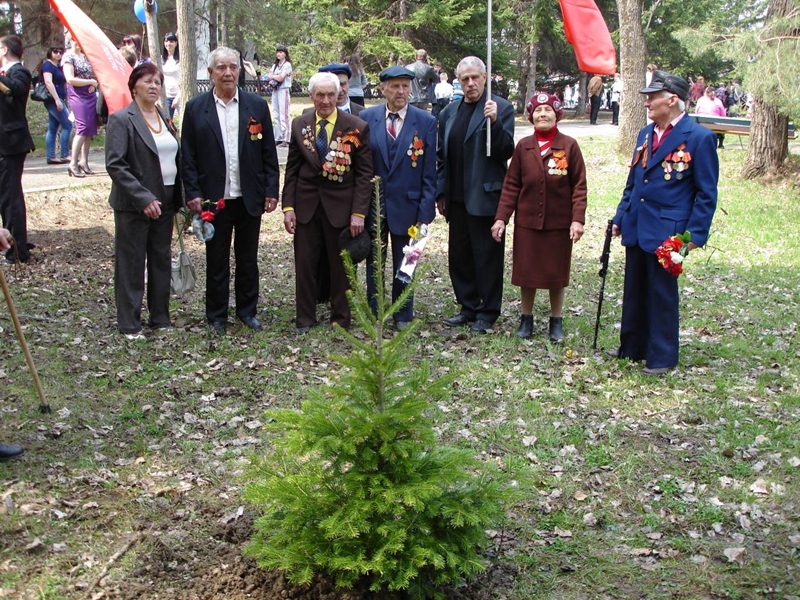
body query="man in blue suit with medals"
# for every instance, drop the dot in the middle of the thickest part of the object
(403, 141)
(671, 188)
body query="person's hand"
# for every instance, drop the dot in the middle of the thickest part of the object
(490, 110)
(356, 225)
(290, 221)
(153, 210)
(5, 239)
(691, 246)
(176, 102)
(195, 205)
(270, 204)
(615, 230)
(59, 105)
(498, 229)
(575, 231)
(440, 205)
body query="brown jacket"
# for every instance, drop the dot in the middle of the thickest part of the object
(595, 86)
(305, 186)
(544, 200)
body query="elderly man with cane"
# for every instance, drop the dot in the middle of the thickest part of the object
(8, 451)
(671, 189)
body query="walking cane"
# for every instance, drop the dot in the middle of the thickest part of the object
(603, 272)
(44, 407)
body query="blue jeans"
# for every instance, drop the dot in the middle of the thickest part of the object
(57, 119)
(169, 107)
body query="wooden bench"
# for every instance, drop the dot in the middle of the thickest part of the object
(732, 125)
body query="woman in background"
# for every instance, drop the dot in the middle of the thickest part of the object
(82, 96)
(134, 42)
(280, 76)
(358, 81)
(58, 113)
(170, 58)
(710, 104)
(143, 161)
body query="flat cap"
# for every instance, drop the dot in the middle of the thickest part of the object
(395, 72)
(358, 247)
(337, 69)
(663, 81)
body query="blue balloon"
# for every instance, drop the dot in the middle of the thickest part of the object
(138, 10)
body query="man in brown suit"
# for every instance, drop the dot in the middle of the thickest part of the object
(327, 188)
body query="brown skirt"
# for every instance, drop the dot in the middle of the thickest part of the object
(541, 259)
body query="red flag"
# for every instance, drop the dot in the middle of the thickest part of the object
(588, 33)
(110, 69)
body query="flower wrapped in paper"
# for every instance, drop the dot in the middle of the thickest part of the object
(672, 252)
(418, 237)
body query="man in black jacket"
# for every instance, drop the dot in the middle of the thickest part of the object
(15, 143)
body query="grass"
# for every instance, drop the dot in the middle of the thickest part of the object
(652, 478)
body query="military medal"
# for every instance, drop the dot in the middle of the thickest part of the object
(338, 159)
(677, 161)
(558, 163)
(255, 128)
(415, 150)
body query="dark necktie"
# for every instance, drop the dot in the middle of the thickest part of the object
(390, 129)
(347, 110)
(658, 141)
(322, 141)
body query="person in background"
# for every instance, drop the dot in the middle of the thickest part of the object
(15, 143)
(697, 90)
(8, 451)
(595, 92)
(170, 59)
(424, 78)
(444, 94)
(81, 93)
(143, 162)
(662, 199)
(134, 42)
(358, 81)
(57, 110)
(711, 105)
(648, 76)
(344, 73)
(616, 98)
(549, 218)
(280, 76)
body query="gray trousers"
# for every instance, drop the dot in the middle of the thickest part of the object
(142, 243)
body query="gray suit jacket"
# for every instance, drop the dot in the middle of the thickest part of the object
(132, 162)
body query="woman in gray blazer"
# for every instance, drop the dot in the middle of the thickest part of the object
(142, 159)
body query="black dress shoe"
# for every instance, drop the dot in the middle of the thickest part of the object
(303, 330)
(616, 354)
(10, 451)
(218, 327)
(252, 323)
(525, 329)
(400, 325)
(458, 320)
(556, 329)
(481, 326)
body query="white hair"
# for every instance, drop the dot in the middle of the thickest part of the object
(469, 62)
(318, 78)
(681, 103)
(222, 52)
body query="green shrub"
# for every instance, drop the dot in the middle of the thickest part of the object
(358, 488)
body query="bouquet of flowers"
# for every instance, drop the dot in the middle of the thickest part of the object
(418, 235)
(202, 224)
(672, 251)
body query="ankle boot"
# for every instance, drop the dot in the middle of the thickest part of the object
(556, 331)
(525, 327)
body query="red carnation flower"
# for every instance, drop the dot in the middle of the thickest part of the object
(220, 203)
(207, 215)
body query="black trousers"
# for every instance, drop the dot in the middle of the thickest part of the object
(406, 313)
(615, 113)
(476, 263)
(595, 102)
(139, 243)
(12, 203)
(218, 262)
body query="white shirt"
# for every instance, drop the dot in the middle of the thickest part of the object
(286, 68)
(171, 71)
(443, 90)
(167, 147)
(228, 115)
(398, 123)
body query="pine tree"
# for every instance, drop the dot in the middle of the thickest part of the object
(358, 488)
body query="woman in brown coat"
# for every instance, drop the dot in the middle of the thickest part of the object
(546, 187)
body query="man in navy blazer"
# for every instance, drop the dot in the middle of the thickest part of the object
(671, 188)
(15, 143)
(228, 152)
(403, 141)
(468, 192)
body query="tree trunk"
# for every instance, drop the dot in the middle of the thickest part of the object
(633, 61)
(153, 39)
(222, 17)
(187, 77)
(527, 75)
(200, 13)
(769, 145)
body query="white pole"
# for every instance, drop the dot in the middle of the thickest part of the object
(489, 76)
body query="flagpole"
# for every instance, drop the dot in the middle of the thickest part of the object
(489, 76)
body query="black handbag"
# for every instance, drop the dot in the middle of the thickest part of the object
(40, 93)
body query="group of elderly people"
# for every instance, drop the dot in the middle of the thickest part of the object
(229, 173)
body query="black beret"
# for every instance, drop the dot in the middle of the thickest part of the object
(395, 72)
(663, 81)
(358, 247)
(337, 69)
